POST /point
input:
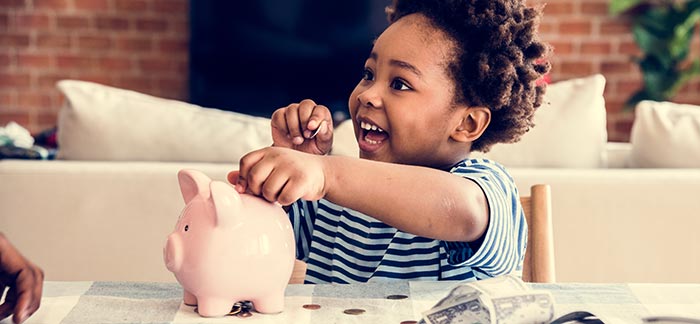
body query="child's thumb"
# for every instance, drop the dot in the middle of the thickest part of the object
(232, 177)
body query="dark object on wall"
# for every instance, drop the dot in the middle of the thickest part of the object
(256, 56)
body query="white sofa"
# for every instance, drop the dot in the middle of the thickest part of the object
(97, 215)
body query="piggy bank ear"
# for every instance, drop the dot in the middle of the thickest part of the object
(227, 202)
(193, 183)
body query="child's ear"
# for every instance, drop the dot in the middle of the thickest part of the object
(472, 124)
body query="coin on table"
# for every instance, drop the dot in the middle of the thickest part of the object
(312, 306)
(354, 311)
(396, 297)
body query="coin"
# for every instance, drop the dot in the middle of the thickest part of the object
(396, 297)
(354, 311)
(235, 309)
(312, 306)
(408, 322)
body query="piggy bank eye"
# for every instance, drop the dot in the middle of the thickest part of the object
(187, 227)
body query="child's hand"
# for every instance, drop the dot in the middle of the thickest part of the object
(25, 281)
(294, 126)
(281, 175)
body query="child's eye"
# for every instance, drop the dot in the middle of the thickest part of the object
(399, 84)
(367, 75)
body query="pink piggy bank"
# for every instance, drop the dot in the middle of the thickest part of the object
(229, 247)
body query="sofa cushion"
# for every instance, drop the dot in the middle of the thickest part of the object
(665, 135)
(98, 122)
(570, 130)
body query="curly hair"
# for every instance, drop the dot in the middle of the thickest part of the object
(497, 62)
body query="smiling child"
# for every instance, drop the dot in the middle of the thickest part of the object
(444, 79)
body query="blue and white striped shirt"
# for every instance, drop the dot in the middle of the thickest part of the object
(341, 245)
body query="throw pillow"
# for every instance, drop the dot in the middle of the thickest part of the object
(98, 122)
(665, 135)
(344, 141)
(570, 130)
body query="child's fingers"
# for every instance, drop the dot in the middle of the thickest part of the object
(232, 178)
(273, 185)
(292, 191)
(319, 115)
(24, 307)
(29, 287)
(291, 115)
(246, 163)
(278, 122)
(306, 109)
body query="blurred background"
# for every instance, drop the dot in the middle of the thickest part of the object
(256, 56)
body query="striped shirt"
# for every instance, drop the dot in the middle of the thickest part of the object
(341, 245)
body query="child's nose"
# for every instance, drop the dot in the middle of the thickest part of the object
(370, 97)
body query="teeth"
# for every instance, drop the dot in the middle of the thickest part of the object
(368, 126)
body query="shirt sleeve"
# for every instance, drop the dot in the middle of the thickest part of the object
(502, 249)
(302, 214)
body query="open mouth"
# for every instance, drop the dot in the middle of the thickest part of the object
(372, 134)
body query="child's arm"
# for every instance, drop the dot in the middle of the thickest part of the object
(294, 126)
(418, 200)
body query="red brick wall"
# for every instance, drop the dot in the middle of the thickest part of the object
(135, 44)
(588, 40)
(142, 45)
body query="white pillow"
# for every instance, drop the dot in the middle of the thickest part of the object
(344, 140)
(665, 135)
(99, 122)
(570, 130)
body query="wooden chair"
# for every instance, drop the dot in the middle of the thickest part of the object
(539, 255)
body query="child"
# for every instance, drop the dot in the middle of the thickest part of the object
(444, 79)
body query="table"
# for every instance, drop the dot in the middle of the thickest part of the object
(147, 302)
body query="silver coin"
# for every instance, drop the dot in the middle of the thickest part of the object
(235, 309)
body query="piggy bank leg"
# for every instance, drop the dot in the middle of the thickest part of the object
(270, 304)
(213, 307)
(189, 299)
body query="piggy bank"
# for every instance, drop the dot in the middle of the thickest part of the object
(229, 247)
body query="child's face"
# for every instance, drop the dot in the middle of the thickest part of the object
(405, 97)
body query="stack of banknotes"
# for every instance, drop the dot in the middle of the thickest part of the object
(501, 300)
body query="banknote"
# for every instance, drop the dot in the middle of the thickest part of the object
(501, 300)
(525, 307)
(459, 294)
(471, 311)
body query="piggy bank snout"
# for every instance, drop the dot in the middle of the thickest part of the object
(173, 253)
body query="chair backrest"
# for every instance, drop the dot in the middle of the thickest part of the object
(539, 255)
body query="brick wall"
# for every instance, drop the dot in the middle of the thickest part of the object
(135, 44)
(142, 45)
(587, 40)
